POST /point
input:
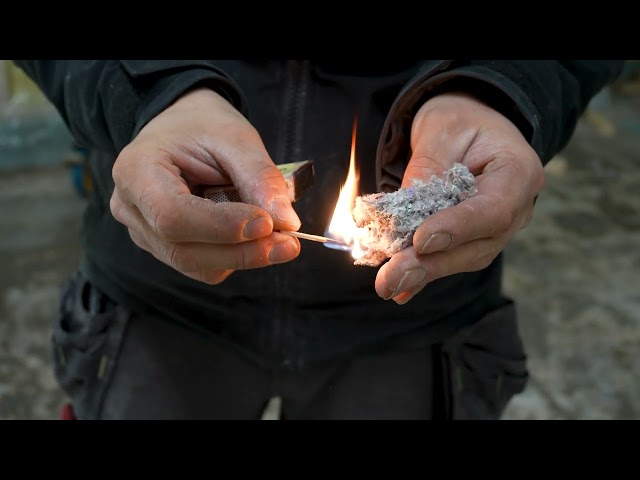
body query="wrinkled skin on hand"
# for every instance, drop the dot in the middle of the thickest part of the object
(202, 139)
(467, 237)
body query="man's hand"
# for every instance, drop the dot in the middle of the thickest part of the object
(203, 139)
(451, 128)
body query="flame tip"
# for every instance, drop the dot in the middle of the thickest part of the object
(342, 226)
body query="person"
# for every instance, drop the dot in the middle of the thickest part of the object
(184, 308)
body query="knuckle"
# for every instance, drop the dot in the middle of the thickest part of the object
(253, 255)
(166, 222)
(242, 258)
(506, 219)
(117, 172)
(120, 169)
(179, 258)
(484, 259)
(116, 207)
(269, 174)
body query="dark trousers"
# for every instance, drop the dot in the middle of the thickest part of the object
(118, 365)
(115, 364)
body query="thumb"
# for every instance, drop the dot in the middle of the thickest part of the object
(259, 182)
(241, 153)
(440, 137)
(435, 150)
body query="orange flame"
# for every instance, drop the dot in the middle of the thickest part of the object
(342, 226)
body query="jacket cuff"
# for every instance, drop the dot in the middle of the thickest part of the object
(161, 87)
(494, 89)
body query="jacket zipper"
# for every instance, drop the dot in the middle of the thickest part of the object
(289, 148)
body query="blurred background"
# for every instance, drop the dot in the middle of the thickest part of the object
(574, 271)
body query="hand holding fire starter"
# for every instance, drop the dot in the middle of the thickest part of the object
(387, 221)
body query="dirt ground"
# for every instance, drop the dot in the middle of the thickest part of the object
(573, 272)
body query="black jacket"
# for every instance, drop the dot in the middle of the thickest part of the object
(319, 306)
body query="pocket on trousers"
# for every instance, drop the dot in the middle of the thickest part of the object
(484, 366)
(86, 336)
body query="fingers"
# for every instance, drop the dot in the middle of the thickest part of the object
(438, 141)
(481, 216)
(259, 182)
(212, 277)
(503, 205)
(407, 272)
(196, 259)
(207, 262)
(464, 238)
(467, 237)
(255, 176)
(175, 215)
(201, 139)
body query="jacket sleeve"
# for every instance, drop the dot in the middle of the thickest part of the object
(105, 103)
(544, 98)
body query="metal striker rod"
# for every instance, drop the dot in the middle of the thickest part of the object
(314, 238)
